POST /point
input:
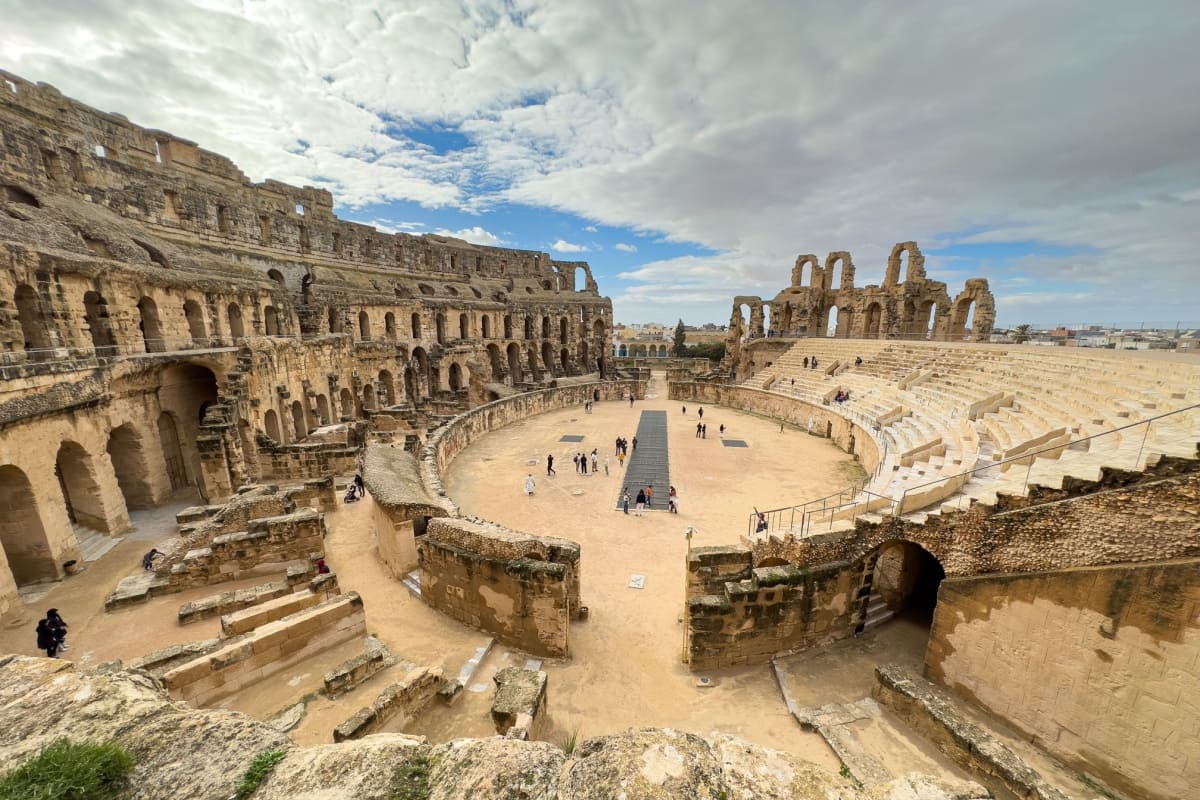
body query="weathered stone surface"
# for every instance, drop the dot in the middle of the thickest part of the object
(360, 770)
(520, 698)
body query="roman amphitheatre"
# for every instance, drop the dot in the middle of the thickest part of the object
(907, 562)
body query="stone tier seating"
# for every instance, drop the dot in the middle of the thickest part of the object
(938, 410)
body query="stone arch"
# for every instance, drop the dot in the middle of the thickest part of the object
(545, 327)
(151, 326)
(323, 409)
(874, 320)
(389, 326)
(598, 329)
(22, 534)
(271, 425)
(564, 359)
(32, 320)
(926, 319)
(364, 325)
(195, 320)
(410, 384)
(387, 385)
(907, 578)
(915, 269)
(299, 421)
(335, 320)
(368, 396)
(421, 359)
(485, 326)
(416, 325)
(622, 351)
(83, 498)
(583, 354)
(528, 327)
(464, 327)
(962, 317)
(535, 372)
(508, 326)
(439, 323)
(168, 437)
(277, 276)
(807, 260)
(839, 271)
(455, 377)
(562, 330)
(237, 328)
(131, 466)
(495, 362)
(548, 357)
(95, 314)
(271, 320)
(346, 405)
(514, 363)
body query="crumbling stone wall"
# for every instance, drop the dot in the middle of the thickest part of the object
(1101, 666)
(521, 588)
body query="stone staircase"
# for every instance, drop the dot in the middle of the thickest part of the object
(649, 464)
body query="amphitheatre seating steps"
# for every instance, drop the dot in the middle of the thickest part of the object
(228, 602)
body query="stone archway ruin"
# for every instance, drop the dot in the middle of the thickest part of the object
(22, 534)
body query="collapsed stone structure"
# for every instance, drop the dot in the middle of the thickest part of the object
(823, 301)
(167, 325)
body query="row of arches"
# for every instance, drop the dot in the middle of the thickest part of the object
(642, 350)
(487, 327)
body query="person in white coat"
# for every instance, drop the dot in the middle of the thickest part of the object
(530, 485)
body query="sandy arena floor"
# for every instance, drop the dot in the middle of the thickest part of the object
(625, 669)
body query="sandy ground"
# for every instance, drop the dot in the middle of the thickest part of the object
(625, 669)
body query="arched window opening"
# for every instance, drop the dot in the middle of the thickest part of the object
(416, 325)
(508, 326)
(562, 331)
(440, 326)
(168, 436)
(271, 425)
(364, 326)
(514, 364)
(456, 381)
(237, 328)
(463, 327)
(335, 320)
(528, 327)
(565, 359)
(151, 327)
(323, 409)
(271, 320)
(346, 404)
(129, 463)
(388, 387)
(96, 316)
(33, 326)
(368, 396)
(299, 423)
(486, 326)
(195, 321)
(545, 327)
(389, 326)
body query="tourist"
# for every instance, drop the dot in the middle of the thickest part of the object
(762, 523)
(685, 411)
(148, 559)
(358, 484)
(583, 463)
(649, 495)
(704, 431)
(858, 361)
(625, 499)
(46, 639)
(621, 458)
(806, 362)
(672, 500)
(635, 444)
(550, 465)
(631, 399)
(722, 430)
(640, 502)
(699, 425)
(595, 395)
(701, 412)
(617, 449)
(606, 465)
(59, 627)
(529, 485)
(322, 567)
(576, 460)
(595, 458)
(814, 362)
(793, 381)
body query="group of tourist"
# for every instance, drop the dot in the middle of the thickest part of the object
(645, 500)
(52, 633)
(842, 396)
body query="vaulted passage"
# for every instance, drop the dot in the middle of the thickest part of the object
(76, 472)
(905, 581)
(21, 532)
(130, 465)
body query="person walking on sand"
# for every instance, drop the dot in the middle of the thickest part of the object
(595, 460)
(672, 500)
(701, 412)
(550, 465)
(621, 458)
(529, 485)
(606, 466)
(649, 496)
(631, 399)
(704, 431)
(575, 458)
(699, 425)
(58, 626)
(583, 463)
(685, 411)
(625, 499)
(722, 430)
(635, 444)
(46, 639)
(640, 503)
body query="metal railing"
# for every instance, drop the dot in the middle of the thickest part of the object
(808, 518)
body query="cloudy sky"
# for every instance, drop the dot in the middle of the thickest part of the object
(691, 150)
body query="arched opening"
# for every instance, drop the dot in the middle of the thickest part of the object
(346, 404)
(271, 425)
(456, 381)
(237, 329)
(364, 326)
(583, 354)
(168, 436)
(439, 323)
(185, 391)
(904, 584)
(495, 362)
(486, 326)
(410, 384)
(421, 359)
(565, 359)
(96, 316)
(545, 327)
(277, 276)
(831, 329)
(195, 321)
(548, 357)
(271, 320)
(299, 424)
(873, 320)
(910, 326)
(368, 396)
(528, 327)
(622, 351)
(416, 325)
(151, 326)
(923, 324)
(514, 364)
(598, 330)
(81, 491)
(335, 320)
(963, 318)
(130, 465)
(323, 409)
(463, 327)
(562, 330)
(389, 326)
(508, 326)
(387, 385)
(33, 322)
(21, 532)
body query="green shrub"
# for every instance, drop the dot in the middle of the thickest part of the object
(67, 770)
(258, 771)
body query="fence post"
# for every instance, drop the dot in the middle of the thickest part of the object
(1142, 446)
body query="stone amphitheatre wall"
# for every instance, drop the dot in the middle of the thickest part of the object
(524, 589)
(167, 325)
(847, 434)
(1101, 666)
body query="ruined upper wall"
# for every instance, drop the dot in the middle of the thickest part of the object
(54, 144)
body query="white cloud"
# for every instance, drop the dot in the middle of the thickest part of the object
(590, 229)
(625, 248)
(561, 246)
(1059, 123)
(475, 235)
